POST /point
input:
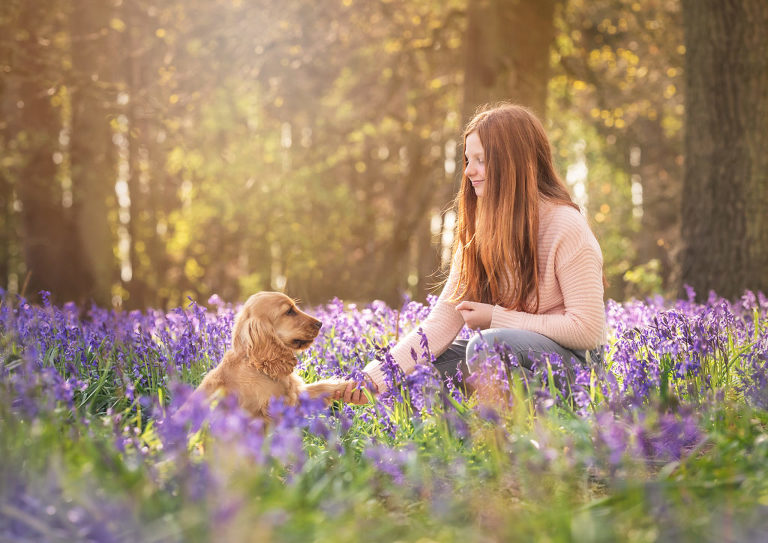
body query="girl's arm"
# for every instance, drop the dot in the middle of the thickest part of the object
(441, 327)
(582, 325)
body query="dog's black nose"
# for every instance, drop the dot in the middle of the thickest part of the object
(318, 324)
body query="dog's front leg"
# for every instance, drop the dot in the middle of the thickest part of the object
(327, 388)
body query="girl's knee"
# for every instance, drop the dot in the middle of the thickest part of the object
(477, 349)
(476, 344)
(488, 338)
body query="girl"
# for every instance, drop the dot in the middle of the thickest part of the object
(526, 271)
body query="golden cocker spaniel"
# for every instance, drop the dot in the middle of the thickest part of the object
(261, 363)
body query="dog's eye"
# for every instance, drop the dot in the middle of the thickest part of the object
(291, 311)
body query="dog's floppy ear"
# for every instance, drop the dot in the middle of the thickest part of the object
(257, 342)
(242, 343)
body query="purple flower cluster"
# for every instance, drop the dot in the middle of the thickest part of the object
(753, 374)
(41, 510)
(686, 349)
(125, 351)
(390, 461)
(135, 371)
(652, 436)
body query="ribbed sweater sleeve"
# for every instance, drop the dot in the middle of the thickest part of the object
(575, 263)
(441, 327)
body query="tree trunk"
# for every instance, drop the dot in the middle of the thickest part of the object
(725, 207)
(137, 286)
(428, 251)
(414, 198)
(51, 254)
(91, 150)
(661, 179)
(8, 234)
(507, 53)
(6, 230)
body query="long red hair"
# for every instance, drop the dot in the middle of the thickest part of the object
(498, 232)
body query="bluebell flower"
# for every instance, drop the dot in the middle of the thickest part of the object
(389, 461)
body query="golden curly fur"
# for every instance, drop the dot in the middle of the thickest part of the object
(268, 331)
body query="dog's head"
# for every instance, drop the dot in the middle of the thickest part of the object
(269, 329)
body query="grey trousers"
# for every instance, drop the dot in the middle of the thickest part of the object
(527, 347)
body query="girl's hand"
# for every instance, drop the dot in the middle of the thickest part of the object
(353, 392)
(476, 314)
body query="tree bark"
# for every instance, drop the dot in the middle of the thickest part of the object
(661, 179)
(428, 252)
(51, 254)
(91, 150)
(508, 53)
(138, 286)
(414, 197)
(725, 203)
(8, 234)
(6, 229)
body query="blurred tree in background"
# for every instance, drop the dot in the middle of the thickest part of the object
(157, 150)
(725, 217)
(507, 53)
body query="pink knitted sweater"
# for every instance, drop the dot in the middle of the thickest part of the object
(571, 310)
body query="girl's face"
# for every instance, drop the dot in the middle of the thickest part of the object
(475, 169)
